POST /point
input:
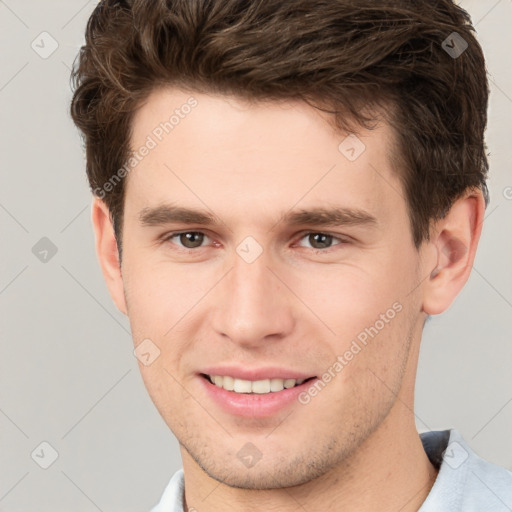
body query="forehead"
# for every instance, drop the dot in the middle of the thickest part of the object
(244, 156)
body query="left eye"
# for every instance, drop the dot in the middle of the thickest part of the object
(189, 239)
(321, 240)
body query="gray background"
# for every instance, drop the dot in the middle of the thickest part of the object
(67, 370)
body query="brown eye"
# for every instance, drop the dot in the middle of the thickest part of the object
(320, 240)
(188, 239)
(191, 240)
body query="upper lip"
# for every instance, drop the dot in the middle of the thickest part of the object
(269, 372)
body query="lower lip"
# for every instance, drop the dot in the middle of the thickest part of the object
(254, 405)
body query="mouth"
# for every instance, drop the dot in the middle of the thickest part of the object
(257, 387)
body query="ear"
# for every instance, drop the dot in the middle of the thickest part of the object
(106, 250)
(454, 240)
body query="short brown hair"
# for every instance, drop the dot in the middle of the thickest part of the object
(341, 56)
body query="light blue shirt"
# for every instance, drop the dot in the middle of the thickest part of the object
(465, 483)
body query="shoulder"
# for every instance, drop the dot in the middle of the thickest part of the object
(489, 484)
(466, 482)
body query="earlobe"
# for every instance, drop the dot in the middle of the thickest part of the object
(454, 241)
(107, 252)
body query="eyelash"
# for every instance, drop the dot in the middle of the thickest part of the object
(342, 241)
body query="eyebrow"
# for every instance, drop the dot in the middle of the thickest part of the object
(332, 216)
(167, 214)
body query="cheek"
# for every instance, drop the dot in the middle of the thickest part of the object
(159, 295)
(166, 391)
(350, 299)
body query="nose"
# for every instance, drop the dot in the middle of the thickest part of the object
(254, 306)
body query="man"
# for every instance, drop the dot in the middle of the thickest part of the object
(284, 192)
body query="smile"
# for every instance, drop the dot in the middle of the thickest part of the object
(263, 386)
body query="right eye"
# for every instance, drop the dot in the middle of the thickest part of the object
(189, 240)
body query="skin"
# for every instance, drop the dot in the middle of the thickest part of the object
(354, 446)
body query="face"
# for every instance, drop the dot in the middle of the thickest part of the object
(295, 262)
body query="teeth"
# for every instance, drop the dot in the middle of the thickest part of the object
(289, 383)
(227, 383)
(276, 384)
(253, 386)
(241, 386)
(261, 386)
